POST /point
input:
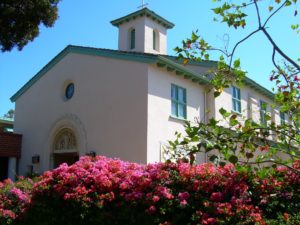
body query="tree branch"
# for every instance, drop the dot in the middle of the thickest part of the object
(271, 161)
(238, 43)
(279, 50)
(277, 67)
(267, 20)
(258, 14)
(215, 49)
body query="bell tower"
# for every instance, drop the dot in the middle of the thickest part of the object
(143, 31)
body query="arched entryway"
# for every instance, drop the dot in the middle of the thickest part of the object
(65, 148)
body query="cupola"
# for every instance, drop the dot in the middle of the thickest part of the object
(143, 31)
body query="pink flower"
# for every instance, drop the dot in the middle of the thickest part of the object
(183, 203)
(209, 221)
(19, 194)
(155, 198)
(183, 196)
(216, 196)
(151, 209)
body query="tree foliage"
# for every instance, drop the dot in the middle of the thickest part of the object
(245, 141)
(20, 20)
(10, 114)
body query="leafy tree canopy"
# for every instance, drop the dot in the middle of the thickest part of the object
(245, 141)
(10, 114)
(20, 20)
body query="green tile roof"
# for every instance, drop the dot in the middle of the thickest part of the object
(166, 62)
(143, 12)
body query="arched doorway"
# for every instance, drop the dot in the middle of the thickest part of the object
(65, 148)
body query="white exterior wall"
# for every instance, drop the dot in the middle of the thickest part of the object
(250, 104)
(143, 36)
(150, 25)
(108, 111)
(161, 126)
(124, 36)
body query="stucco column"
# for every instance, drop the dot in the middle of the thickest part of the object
(12, 166)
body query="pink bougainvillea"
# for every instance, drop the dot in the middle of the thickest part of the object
(166, 192)
(15, 198)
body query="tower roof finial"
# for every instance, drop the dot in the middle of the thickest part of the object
(143, 5)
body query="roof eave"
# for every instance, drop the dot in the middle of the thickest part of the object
(259, 88)
(181, 70)
(6, 121)
(247, 81)
(148, 13)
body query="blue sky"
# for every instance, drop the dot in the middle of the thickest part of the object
(87, 23)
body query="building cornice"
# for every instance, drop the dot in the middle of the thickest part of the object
(143, 12)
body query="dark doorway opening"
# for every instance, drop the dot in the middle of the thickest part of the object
(3, 168)
(69, 158)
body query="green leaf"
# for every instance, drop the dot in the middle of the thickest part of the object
(233, 159)
(217, 93)
(249, 155)
(288, 3)
(233, 122)
(222, 164)
(222, 111)
(295, 26)
(213, 158)
(217, 10)
(194, 37)
(236, 63)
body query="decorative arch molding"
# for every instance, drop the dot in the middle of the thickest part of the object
(65, 141)
(70, 122)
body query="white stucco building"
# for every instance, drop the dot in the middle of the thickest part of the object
(122, 103)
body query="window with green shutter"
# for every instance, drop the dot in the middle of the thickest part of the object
(236, 100)
(282, 118)
(178, 96)
(263, 112)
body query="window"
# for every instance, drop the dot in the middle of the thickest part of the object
(154, 40)
(178, 96)
(65, 140)
(282, 118)
(132, 39)
(69, 92)
(236, 99)
(263, 112)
